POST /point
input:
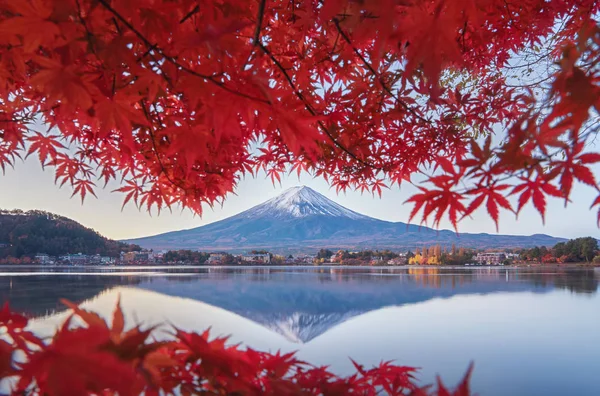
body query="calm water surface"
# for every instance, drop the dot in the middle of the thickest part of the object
(529, 332)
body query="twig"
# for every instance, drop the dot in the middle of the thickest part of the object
(256, 37)
(173, 61)
(374, 72)
(259, 21)
(155, 149)
(309, 107)
(190, 14)
(223, 86)
(89, 34)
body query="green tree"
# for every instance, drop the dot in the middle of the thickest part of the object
(588, 248)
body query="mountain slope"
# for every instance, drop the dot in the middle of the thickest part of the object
(301, 219)
(36, 231)
(301, 202)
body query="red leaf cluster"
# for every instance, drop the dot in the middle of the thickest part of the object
(107, 360)
(174, 101)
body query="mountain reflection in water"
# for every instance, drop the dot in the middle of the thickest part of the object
(545, 321)
(299, 303)
(304, 304)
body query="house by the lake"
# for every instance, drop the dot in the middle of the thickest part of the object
(262, 258)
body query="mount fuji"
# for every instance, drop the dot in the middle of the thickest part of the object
(301, 219)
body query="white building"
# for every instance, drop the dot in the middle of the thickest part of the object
(490, 258)
(400, 260)
(78, 259)
(43, 258)
(304, 258)
(107, 260)
(256, 258)
(215, 258)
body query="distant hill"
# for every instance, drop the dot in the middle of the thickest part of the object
(301, 219)
(27, 233)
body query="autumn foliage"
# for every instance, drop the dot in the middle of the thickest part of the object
(104, 360)
(174, 101)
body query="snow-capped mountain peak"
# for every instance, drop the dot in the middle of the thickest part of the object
(302, 327)
(302, 201)
(301, 220)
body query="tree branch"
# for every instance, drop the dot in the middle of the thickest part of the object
(173, 61)
(256, 37)
(155, 149)
(374, 72)
(190, 14)
(308, 107)
(259, 21)
(223, 86)
(89, 34)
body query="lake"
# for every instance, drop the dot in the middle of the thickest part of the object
(528, 331)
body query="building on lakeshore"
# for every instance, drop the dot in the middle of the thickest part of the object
(400, 260)
(216, 258)
(101, 260)
(158, 256)
(107, 260)
(493, 258)
(75, 259)
(128, 257)
(43, 258)
(304, 258)
(136, 257)
(264, 258)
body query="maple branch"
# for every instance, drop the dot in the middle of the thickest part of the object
(374, 72)
(308, 107)
(116, 25)
(508, 11)
(89, 34)
(172, 60)
(155, 149)
(256, 37)
(261, 14)
(335, 43)
(190, 14)
(533, 84)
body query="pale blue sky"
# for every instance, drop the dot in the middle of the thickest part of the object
(29, 187)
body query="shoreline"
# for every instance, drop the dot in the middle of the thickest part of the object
(306, 266)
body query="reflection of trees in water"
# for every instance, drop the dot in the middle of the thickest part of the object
(40, 294)
(307, 302)
(575, 280)
(37, 295)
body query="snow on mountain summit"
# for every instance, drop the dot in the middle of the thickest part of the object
(302, 201)
(302, 220)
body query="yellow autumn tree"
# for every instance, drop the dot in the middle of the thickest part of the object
(433, 260)
(417, 259)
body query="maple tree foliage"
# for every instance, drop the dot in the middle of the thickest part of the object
(102, 359)
(176, 100)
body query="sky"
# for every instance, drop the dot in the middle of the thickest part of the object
(29, 187)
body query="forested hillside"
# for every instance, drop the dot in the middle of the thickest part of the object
(571, 251)
(27, 233)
